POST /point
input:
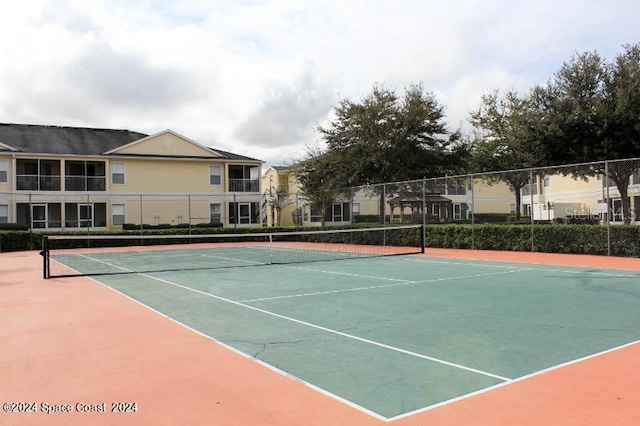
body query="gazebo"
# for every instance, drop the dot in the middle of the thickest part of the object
(438, 208)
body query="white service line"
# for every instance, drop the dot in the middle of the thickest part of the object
(336, 332)
(375, 287)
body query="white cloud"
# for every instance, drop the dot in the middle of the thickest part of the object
(257, 76)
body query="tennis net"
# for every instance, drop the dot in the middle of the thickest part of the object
(71, 255)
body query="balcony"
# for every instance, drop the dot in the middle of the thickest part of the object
(85, 183)
(244, 185)
(38, 183)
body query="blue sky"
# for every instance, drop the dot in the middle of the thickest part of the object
(256, 77)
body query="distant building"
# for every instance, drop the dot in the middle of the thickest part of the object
(66, 178)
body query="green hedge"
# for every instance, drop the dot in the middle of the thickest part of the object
(549, 238)
(19, 240)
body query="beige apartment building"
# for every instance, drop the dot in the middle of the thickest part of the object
(561, 196)
(551, 196)
(67, 178)
(446, 200)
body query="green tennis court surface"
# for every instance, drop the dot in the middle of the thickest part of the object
(393, 335)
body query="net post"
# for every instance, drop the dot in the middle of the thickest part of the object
(46, 272)
(271, 249)
(422, 238)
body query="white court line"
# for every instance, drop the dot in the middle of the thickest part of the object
(398, 284)
(247, 356)
(330, 394)
(519, 379)
(105, 263)
(318, 327)
(329, 330)
(567, 271)
(232, 259)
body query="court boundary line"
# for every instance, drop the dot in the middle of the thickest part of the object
(568, 271)
(516, 380)
(246, 355)
(332, 331)
(506, 382)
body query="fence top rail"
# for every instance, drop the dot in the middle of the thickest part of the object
(496, 172)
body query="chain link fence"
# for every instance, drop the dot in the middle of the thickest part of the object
(96, 211)
(604, 193)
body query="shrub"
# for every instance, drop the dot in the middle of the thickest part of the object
(13, 227)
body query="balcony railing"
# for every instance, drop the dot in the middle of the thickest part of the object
(53, 183)
(244, 185)
(85, 183)
(37, 183)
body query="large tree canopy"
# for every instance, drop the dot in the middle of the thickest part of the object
(384, 138)
(502, 140)
(590, 111)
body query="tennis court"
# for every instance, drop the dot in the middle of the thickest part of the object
(393, 337)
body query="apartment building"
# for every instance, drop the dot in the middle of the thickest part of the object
(68, 178)
(439, 200)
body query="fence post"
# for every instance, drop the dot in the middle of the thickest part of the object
(473, 215)
(609, 206)
(531, 186)
(424, 204)
(141, 222)
(383, 204)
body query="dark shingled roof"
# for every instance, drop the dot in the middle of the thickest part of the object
(64, 140)
(232, 156)
(35, 139)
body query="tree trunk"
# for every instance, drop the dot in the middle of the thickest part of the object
(382, 207)
(626, 202)
(518, 202)
(622, 179)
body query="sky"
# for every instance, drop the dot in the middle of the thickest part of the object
(257, 77)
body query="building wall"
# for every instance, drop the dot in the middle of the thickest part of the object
(156, 190)
(167, 176)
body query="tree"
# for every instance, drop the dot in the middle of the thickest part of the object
(384, 138)
(590, 111)
(502, 140)
(276, 199)
(315, 174)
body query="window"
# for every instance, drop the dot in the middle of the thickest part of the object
(340, 212)
(117, 214)
(4, 171)
(244, 213)
(457, 211)
(456, 187)
(215, 213)
(337, 212)
(545, 181)
(117, 173)
(316, 214)
(356, 209)
(4, 213)
(214, 175)
(42, 215)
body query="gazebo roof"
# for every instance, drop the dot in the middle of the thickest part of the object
(418, 199)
